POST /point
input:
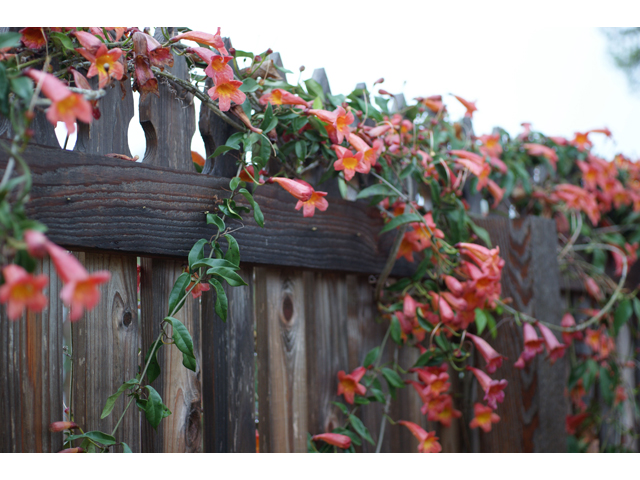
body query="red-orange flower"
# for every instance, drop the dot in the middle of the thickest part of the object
(567, 322)
(340, 441)
(348, 384)
(350, 162)
(33, 37)
(61, 426)
(298, 188)
(66, 106)
(218, 66)
(21, 289)
(278, 96)
(484, 417)
(428, 440)
(104, 63)
(227, 92)
(493, 389)
(532, 345)
(493, 358)
(197, 289)
(340, 119)
(214, 41)
(470, 106)
(316, 200)
(81, 288)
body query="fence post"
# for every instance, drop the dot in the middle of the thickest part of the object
(106, 340)
(228, 359)
(169, 124)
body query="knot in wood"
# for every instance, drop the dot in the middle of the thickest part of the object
(127, 318)
(287, 309)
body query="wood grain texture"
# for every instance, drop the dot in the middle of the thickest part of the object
(282, 360)
(534, 404)
(228, 370)
(169, 123)
(31, 374)
(91, 202)
(326, 315)
(105, 350)
(107, 339)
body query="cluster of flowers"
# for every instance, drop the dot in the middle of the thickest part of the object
(22, 289)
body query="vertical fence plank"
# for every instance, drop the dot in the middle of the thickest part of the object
(282, 369)
(228, 370)
(107, 339)
(534, 406)
(325, 303)
(31, 374)
(169, 124)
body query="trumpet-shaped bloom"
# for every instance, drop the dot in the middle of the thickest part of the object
(348, 384)
(316, 200)
(298, 188)
(89, 42)
(493, 358)
(493, 389)
(33, 37)
(491, 145)
(21, 289)
(532, 346)
(197, 289)
(484, 417)
(81, 288)
(227, 92)
(340, 119)
(537, 150)
(371, 154)
(278, 96)
(350, 162)
(66, 106)
(567, 322)
(104, 63)
(36, 243)
(573, 422)
(581, 141)
(214, 41)
(593, 289)
(428, 440)
(61, 426)
(555, 349)
(470, 106)
(336, 439)
(218, 65)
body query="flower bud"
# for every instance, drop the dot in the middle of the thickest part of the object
(269, 51)
(60, 426)
(72, 450)
(380, 80)
(257, 59)
(36, 243)
(232, 52)
(302, 68)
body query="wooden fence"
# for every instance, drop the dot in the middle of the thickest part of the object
(306, 313)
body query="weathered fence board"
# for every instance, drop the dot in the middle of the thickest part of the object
(107, 339)
(282, 363)
(169, 123)
(534, 406)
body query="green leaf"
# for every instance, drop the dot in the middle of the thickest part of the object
(233, 251)
(377, 394)
(400, 220)
(111, 401)
(272, 124)
(153, 371)
(233, 184)
(636, 307)
(155, 410)
(98, 437)
(222, 304)
(215, 220)
(227, 207)
(234, 140)
(480, 232)
(242, 53)
(317, 103)
(249, 85)
(222, 149)
(178, 291)
(183, 341)
(392, 378)
(361, 401)
(623, 313)
(10, 39)
(22, 87)
(257, 213)
(491, 323)
(481, 320)
(430, 358)
(197, 252)
(379, 189)
(359, 427)
(301, 149)
(126, 448)
(215, 262)
(396, 330)
(229, 275)
(371, 357)
(606, 384)
(64, 40)
(314, 89)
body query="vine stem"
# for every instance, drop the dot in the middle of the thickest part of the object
(597, 316)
